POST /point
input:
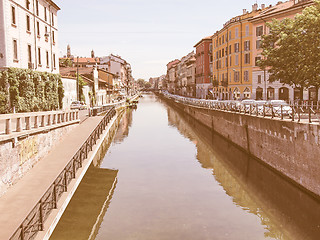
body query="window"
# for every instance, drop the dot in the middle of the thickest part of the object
(226, 50)
(230, 35)
(222, 51)
(259, 79)
(230, 49)
(236, 32)
(226, 61)
(54, 60)
(28, 24)
(222, 39)
(247, 30)
(38, 29)
(53, 37)
(259, 31)
(29, 54)
(247, 45)
(246, 76)
(39, 56)
(236, 47)
(13, 13)
(247, 58)
(47, 58)
(230, 77)
(15, 50)
(219, 53)
(28, 4)
(52, 19)
(256, 60)
(45, 13)
(219, 41)
(230, 63)
(37, 8)
(236, 60)
(258, 44)
(236, 76)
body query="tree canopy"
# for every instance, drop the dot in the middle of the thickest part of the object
(291, 50)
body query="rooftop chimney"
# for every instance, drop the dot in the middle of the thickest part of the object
(263, 6)
(255, 7)
(244, 11)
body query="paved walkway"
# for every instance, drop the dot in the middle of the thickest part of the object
(20, 199)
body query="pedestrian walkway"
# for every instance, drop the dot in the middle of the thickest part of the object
(21, 198)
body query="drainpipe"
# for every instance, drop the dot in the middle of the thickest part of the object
(35, 37)
(51, 38)
(264, 70)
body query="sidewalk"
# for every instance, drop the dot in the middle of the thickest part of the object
(20, 199)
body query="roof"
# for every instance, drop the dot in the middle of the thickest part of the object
(203, 40)
(53, 4)
(172, 63)
(86, 60)
(274, 9)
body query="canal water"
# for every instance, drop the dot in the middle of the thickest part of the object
(167, 177)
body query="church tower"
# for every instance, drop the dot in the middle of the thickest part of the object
(68, 51)
(92, 54)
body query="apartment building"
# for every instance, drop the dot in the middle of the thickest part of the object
(29, 35)
(203, 67)
(261, 87)
(171, 75)
(232, 57)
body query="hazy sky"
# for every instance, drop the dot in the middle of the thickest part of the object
(146, 33)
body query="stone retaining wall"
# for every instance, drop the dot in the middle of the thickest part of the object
(17, 158)
(291, 148)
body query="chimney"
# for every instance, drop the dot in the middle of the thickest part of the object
(244, 11)
(255, 7)
(263, 6)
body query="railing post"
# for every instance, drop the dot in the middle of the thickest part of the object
(18, 129)
(22, 232)
(36, 122)
(281, 111)
(58, 117)
(293, 112)
(41, 216)
(55, 196)
(28, 124)
(42, 121)
(310, 120)
(49, 120)
(54, 118)
(8, 126)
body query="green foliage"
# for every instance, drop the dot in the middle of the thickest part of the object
(82, 83)
(291, 50)
(65, 62)
(27, 90)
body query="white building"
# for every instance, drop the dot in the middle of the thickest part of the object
(29, 35)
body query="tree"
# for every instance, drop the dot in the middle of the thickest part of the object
(292, 49)
(141, 82)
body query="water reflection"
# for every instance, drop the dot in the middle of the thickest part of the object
(124, 127)
(86, 210)
(286, 211)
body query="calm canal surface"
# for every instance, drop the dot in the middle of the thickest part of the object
(166, 176)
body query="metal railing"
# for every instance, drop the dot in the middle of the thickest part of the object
(295, 112)
(33, 223)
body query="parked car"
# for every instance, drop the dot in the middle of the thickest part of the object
(281, 107)
(76, 105)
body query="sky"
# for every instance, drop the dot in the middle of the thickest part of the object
(146, 33)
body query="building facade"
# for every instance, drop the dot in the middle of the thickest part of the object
(261, 87)
(232, 63)
(171, 76)
(203, 67)
(29, 35)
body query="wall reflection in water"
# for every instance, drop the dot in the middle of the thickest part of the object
(286, 211)
(86, 210)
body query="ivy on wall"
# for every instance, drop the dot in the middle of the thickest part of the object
(26, 91)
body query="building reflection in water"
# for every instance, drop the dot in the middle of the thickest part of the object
(286, 211)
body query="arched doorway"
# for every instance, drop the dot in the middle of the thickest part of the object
(236, 93)
(270, 93)
(259, 93)
(284, 93)
(313, 96)
(247, 93)
(298, 94)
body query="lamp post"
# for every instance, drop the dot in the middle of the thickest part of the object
(78, 97)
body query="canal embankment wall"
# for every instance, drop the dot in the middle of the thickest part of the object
(289, 147)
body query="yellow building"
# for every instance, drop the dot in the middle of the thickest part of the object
(233, 58)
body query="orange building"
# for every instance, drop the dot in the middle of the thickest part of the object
(232, 57)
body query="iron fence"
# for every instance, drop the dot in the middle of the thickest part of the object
(33, 223)
(294, 111)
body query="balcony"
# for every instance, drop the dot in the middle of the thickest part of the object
(215, 83)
